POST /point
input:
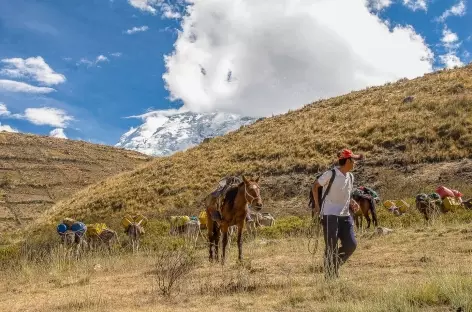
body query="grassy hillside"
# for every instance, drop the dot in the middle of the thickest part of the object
(411, 145)
(36, 172)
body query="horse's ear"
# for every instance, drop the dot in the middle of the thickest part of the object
(245, 179)
(257, 179)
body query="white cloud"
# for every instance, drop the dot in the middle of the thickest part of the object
(144, 5)
(47, 116)
(265, 58)
(458, 9)
(450, 60)
(451, 43)
(40, 116)
(379, 5)
(4, 110)
(449, 38)
(58, 133)
(7, 128)
(136, 29)
(116, 54)
(16, 86)
(152, 6)
(170, 12)
(416, 4)
(34, 68)
(99, 59)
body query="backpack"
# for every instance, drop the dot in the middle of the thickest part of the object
(321, 196)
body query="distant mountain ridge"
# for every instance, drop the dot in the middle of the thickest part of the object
(164, 133)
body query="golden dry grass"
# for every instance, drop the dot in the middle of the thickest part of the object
(414, 269)
(402, 142)
(38, 171)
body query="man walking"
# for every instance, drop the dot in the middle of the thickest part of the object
(337, 185)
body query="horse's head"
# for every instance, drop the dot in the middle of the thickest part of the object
(253, 193)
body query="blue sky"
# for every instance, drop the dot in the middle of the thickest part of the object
(105, 61)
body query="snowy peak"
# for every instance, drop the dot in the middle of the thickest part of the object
(166, 132)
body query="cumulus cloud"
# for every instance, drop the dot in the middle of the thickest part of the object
(7, 128)
(136, 29)
(17, 86)
(33, 68)
(4, 110)
(449, 38)
(379, 5)
(40, 116)
(168, 10)
(258, 58)
(458, 9)
(416, 4)
(58, 133)
(451, 43)
(47, 116)
(450, 60)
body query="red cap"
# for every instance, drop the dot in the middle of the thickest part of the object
(346, 153)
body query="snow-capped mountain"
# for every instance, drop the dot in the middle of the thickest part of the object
(166, 132)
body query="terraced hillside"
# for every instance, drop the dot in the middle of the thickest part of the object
(415, 134)
(36, 172)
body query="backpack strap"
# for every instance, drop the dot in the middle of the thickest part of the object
(333, 175)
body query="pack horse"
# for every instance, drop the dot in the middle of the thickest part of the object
(229, 208)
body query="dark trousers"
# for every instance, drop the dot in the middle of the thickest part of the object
(335, 228)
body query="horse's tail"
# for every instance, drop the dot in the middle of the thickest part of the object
(373, 211)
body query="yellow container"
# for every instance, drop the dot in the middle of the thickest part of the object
(402, 205)
(202, 217)
(451, 204)
(96, 229)
(141, 218)
(126, 221)
(179, 220)
(399, 203)
(389, 204)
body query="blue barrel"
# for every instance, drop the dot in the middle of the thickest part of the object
(79, 227)
(61, 228)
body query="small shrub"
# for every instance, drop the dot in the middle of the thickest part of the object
(172, 265)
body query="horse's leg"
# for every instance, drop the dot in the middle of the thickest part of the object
(210, 225)
(365, 211)
(224, 229)
(216, 236)
(240, 241)
(374, 212)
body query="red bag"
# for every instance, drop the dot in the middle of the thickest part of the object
(457, 193)
(444, 192)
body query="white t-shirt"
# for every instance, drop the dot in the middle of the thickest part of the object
(339, 196)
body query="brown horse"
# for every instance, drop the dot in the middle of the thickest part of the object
(107, 237)
(134, 232)
(233, 212)
(365, 206)
(428, 209)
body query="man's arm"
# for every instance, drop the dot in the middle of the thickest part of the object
(316, 186)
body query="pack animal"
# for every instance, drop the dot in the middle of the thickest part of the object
(234, 211)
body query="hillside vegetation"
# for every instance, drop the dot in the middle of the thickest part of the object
(414, 269)
(414, 133)
(36, 172)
